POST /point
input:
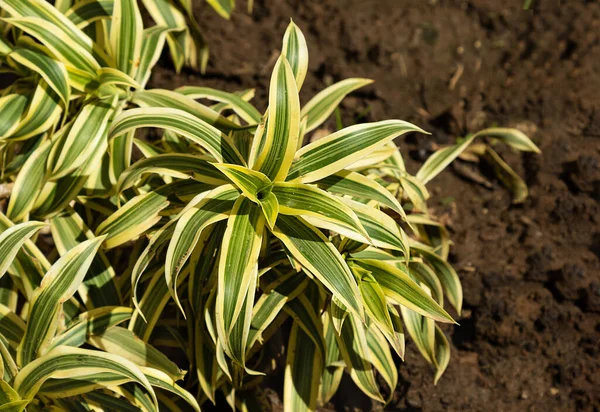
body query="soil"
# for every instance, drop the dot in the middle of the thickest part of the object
(529, 337)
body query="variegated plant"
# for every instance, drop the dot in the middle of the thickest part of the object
(227, 238)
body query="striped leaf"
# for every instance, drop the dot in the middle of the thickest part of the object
(176, 165)
(446, 275)
(296, 52)
(213, 207)
(186, 43)
(278, 144)
(125, 343)
(99, 287)
(59, 284)
(237, 269)
(223, 7)
(107, 76)
(304, 312)
(319, 257)
(272, 301)
(399, 287)
(253, 184)
(52, 71)
(354, 349)
(12, 239)
(77, 146)
(332, 372)
(42, 113)
(383, 231)
(303, 368)
(319, 208)
(381, 358)
(320, 107)
(132, 219)
(86, 12)
(443, 157)
(126, 35)
(161, 380)
(93, 322)
(12, 108)
(182, 123)
(270, 207)
(29, 182)
(60, 26)
(12, 328)
(333, 153)
(373, 298)
(169, 99)
(60, 44)
(240, 106)
(66, 362)
(354, 184)
(152, 46)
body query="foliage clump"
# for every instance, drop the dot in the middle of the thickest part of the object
(160, 283)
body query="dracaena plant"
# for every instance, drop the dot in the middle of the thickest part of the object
(227, 237)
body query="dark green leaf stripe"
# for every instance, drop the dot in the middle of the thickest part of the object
(317, 255)
(240, 106)
(183, 123)
(399, 287)
(59, 284)
(68, 228)
(331, 154)
(302, 310)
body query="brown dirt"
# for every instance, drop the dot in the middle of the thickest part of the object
(530, 334)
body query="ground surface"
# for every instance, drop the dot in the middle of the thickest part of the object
(530, 334)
